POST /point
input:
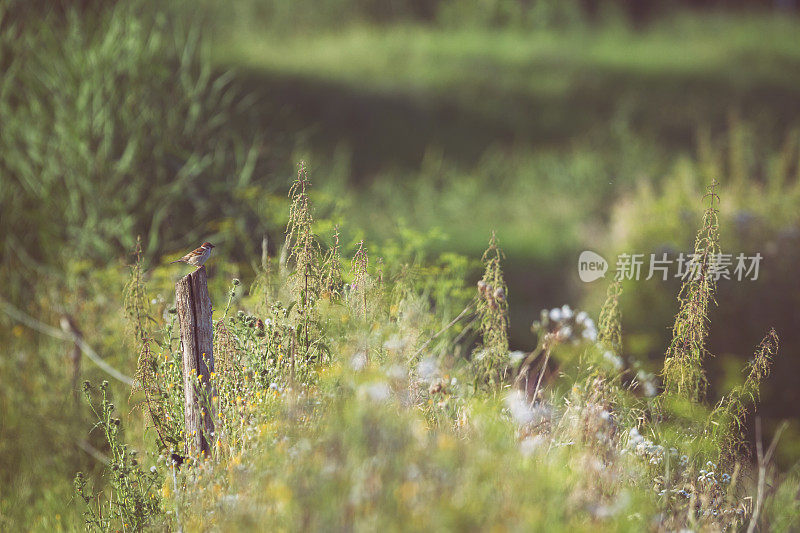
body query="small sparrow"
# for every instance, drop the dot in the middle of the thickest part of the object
(198, 256)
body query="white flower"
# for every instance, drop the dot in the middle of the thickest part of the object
(377, 392)
(428, 369)
(529, 445)
(555, 314)
(359, 361)
(566, 312)
(581, 317)
(397, 372)
(518, 406)
(516, 356)
(394, 344)
(612, 358)
(635, 438)
(523, 412)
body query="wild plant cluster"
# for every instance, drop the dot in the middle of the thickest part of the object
(334, 409)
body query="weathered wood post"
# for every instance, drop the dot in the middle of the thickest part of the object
(194, 313)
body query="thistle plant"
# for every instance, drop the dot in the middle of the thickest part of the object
(332, 269)
(359, 288)
(303, 249)
(492, 355)
(160, 380)
(610, 321)
(133, 501)
(137, 306)
(683, 366)
(727, 420)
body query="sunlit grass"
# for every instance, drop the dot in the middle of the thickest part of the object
(430, 59)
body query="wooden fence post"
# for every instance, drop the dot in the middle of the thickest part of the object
(194, 313)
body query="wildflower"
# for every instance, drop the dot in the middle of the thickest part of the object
(529, 445)
(555, 314)
(427, 369)
(395, 343)
(516, 356)
(612, 358)
(359, 361)
(522, 411)
(436, 387)
(564, 333)
(397, 372)
(519, 407)
(377, 392)
(566, 312)
(482, 287)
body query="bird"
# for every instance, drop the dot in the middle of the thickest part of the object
(198, 256)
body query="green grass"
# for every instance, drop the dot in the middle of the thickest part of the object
(427, 121)
(409, 58)
(546, 87)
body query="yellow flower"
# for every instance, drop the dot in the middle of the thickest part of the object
(166, 490)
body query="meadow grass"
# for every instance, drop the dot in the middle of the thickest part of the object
(390, 430)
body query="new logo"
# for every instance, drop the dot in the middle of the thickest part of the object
(591, 266)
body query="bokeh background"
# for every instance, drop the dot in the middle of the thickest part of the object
(563, 125)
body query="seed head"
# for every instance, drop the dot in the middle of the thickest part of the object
(482, 287)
